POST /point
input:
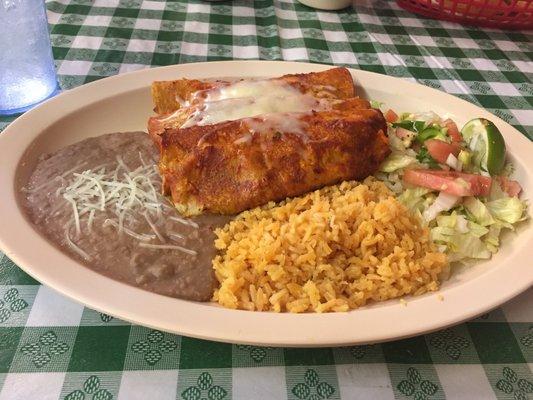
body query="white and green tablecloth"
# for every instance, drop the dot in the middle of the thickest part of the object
(53, 348)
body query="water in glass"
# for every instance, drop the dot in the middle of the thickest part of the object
(27, 73)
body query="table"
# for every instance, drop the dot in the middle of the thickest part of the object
(53, 348)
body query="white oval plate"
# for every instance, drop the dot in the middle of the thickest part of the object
(123, 103)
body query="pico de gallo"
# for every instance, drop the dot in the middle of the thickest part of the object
(458, 181)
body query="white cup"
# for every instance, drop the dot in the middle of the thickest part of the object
(328, 5)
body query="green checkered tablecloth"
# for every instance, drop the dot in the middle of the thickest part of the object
(53, 348)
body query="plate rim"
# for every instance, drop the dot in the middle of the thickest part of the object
(302, 330)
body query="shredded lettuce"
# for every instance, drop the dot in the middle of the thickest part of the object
(478, 211)
(476, 233)
(396, 161)
(454, 220)
(476, 229)
(414, 198)
(442, 234)
(469, 246)
(507, 209)
(395, 142)
(462, 245)
(447, 221)
(492, 239)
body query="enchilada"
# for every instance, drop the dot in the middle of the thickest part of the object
(232, 146)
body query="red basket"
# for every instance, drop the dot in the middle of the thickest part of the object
(505, 14)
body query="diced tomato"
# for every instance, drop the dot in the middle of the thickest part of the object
(440, 150)
(512, 188)
(480, 184)
(391, 116)
(452, 182)
(452, 131)
(403, 133)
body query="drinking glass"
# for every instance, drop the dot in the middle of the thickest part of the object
(27, 73)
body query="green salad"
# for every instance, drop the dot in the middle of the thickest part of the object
(458, 182)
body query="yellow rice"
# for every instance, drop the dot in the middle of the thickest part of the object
(334, 249)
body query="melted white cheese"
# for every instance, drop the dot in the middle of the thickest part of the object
(281, 122)
(245, 99)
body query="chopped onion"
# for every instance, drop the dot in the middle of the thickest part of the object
(443, 202)
(454, 163)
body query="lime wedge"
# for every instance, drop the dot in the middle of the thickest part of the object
(488, 144)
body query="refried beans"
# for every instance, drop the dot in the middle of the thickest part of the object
(99, 201)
